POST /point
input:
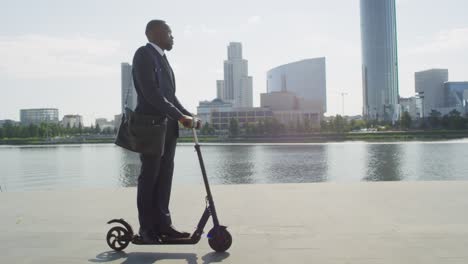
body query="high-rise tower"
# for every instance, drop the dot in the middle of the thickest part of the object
(379, 60)
(237, 84)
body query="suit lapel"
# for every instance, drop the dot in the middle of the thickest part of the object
(163, 64)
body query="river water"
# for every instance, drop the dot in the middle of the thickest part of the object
(55, 167)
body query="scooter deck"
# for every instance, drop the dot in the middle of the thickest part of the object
(137, 240)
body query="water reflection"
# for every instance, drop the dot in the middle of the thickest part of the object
(40, 167)
(294, 163)
(244, 164)
(130, 168)
(234, 164)
(384, 162)
(442, 162)
(105, 165)
(346, 161)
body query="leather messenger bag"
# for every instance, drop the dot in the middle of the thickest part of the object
(140, 133)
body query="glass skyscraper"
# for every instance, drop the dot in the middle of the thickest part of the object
(379, 60)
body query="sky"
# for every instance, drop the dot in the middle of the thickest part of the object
(66, 54)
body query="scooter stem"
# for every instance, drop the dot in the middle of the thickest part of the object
(209, 196)
(195, 137)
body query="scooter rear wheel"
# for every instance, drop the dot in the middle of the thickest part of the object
(118, 238)
(219, 239)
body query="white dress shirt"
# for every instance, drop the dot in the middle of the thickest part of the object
(161, 51)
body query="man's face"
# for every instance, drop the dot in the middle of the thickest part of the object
(163, 37)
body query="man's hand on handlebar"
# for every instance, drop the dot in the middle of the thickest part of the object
(190, 122)
(198, 125)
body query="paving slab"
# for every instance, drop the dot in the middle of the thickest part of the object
(381, 222)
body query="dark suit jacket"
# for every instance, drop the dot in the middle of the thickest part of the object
(155, 87)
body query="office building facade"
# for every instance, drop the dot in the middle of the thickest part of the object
(72, 121)
(305, 78)
(411, 106)
(291, 110)
(206, 108)
(251, 115)
(39, 115)
(429, 85)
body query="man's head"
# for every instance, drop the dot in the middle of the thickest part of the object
(159, 33)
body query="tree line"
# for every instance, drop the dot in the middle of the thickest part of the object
(268, 127)
(435, 121)
(452, 121)
(339, 124)
(47, 130)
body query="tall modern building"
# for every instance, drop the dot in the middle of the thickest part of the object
(128, 92)
(39, 115)
(379, 60)
(237, 84)
(430, 85)
(305, 78)
(220, 89)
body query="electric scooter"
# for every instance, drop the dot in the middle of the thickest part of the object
(219, 239)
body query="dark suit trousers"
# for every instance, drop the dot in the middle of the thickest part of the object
(154, 184)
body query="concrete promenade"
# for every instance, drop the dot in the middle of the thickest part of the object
(386, 222)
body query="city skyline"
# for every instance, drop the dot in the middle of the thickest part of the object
(68, 56)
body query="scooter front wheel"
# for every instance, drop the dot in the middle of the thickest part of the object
(118, 238)
(219, 239)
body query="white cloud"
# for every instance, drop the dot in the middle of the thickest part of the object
(205, 29)
(254, 20)
(190, 30)
(40, 56)
(445, 41)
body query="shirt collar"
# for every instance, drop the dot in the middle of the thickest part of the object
(160, 51)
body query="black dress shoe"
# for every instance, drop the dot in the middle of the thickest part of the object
(171, 232)
(147, 237)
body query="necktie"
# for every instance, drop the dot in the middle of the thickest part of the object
(168, 67)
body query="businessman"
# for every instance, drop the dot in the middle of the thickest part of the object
(155, 86)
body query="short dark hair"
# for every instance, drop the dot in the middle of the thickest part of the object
(153, 24)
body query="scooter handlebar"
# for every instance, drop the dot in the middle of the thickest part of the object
(194, 129)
